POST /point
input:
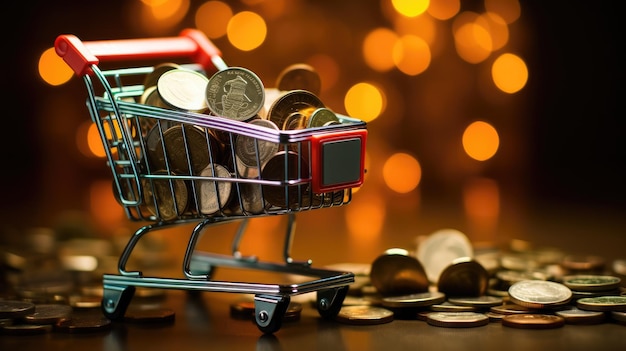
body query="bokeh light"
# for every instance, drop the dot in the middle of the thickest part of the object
(52, 69)
(480, 140)
(364, 101)
(509, 73)
(212, 18)
(402, 172)
(246, 30)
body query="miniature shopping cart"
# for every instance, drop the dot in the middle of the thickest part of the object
(317, 168)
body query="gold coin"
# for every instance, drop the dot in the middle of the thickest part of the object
(294, 101)
(183, 89)
(235, 93)
(285, 167)
(322, 117)
(157, 194)
(464, 277)
(364, 315)
(299, 76)
(533, 321)
(395, 272)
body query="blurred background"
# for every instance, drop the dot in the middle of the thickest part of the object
(499, 118)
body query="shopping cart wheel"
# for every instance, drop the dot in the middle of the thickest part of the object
(329, 301)
(269, 312)
(115, 300)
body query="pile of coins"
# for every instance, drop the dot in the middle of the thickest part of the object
(172, 148)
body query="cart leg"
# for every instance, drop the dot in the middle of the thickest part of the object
(269, 311)
(193, 272)
(115, 300)
(329, 301)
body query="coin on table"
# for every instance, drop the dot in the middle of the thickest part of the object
(299, 76)
(464, 276)
(533, 321)
(15, 308)
(25, 329)
(364, 315)
(322, 117)
(396, 272)
(183, 89)
(619, 317)
(83, 323)
(446, 306)
(602, 303)
(575, 315)
(302, 102)
(539, 293)
(152, 78)
(481, 302)
(48, 314)
(235, 93)
(424, 299)
(157, 195)
(213, 195)
(149, 315)
(457, 319)
(439, 249)
(255, 151)
(511, 308)
(583, 264)
(585, 282)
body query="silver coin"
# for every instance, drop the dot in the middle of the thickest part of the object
(602, 303)
(439, 249)
(15, 308)
(213, 195)
(235, 93)
(457, 319)
(575, 315)
(183, 89)
(428, 298)
(322, 117)
(539, 293)
(585, 282)
(254, 151)
(484, 301)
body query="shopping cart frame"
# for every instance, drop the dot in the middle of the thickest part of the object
(118, 123)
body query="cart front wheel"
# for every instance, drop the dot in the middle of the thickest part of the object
(329, 301)
(269, 312)
(115, 300)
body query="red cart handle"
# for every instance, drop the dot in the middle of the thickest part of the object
(190, 43)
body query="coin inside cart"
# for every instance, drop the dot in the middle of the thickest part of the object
(364, 315)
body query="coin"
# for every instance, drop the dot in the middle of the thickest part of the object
(439, 249)
(539, 293)
(619, 317)
(446, 306)
(286, 167)
(15, 308)
(483, 301)
(242, 309)
(463, 277)
(364, 315)
(152, 78)
(299, 76)
(183, 89)
(428, 298)
(533, 321)
(510, 308)
(574, 315)
(213, 195)
(235, 93)
(255, 151)
(149, 315)
(322, 117)
(294, 101)
(583, 282)
(583, 264)
(602, 303)
(83, 323)
(396, 272)
(457, 319)
(164, 198)
(48, 314)
(25, 329)
(189, 149)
